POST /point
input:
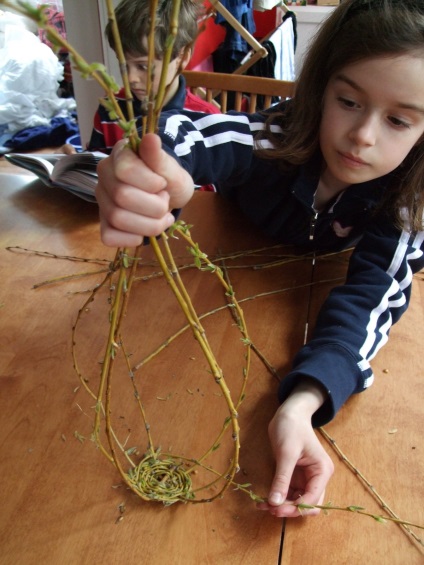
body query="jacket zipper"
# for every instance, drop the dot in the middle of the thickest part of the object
(312, 226)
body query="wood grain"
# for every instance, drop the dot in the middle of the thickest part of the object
(59, 504)
(380, 432)
(61, 497)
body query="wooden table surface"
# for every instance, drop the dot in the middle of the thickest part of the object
(63, 502)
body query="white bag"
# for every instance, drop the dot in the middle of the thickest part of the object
(29, 78)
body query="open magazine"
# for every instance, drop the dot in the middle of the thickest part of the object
(76, 173)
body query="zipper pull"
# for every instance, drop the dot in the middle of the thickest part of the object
(312, 226)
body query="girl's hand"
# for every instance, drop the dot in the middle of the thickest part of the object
(136, 193)
(303, 467)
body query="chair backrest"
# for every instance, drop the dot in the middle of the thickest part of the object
(210, 85)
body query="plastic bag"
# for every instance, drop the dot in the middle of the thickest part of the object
(29, 78)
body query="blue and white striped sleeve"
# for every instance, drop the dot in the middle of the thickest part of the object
(356, 318)
(211, 147)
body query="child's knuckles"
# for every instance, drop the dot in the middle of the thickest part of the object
(151, 227)
(118, 219)
(114, 238)
(125, 197)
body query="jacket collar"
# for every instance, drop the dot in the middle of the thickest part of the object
(306, 182)
(178, 100)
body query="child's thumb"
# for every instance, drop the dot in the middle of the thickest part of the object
(280, 484)
(150, 151)
(178, 181)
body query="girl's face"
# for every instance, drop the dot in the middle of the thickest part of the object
(373, 114)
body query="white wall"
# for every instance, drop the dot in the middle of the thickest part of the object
(83, 32)
(309, 19)
(85, 23)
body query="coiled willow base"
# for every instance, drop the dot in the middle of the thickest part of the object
(164, 480)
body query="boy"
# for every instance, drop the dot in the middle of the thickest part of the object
(132, 17)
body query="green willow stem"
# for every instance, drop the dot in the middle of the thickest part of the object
(121, 59)
(121, 295)
(199, 334)
(358, 510)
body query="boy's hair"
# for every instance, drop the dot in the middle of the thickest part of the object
(133, 19)
(356, 30)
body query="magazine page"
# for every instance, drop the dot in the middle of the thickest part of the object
(78, 173)
(76, 162)
(85, 195)
(41, 164)
(79, 182)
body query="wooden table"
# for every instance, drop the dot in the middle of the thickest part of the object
(63, 502)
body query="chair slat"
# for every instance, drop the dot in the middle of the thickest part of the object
(223, 83)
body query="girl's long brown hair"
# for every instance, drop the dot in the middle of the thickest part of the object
(356, 30)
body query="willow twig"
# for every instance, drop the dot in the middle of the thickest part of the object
(358, 510)
(392, 515)
(46, 254)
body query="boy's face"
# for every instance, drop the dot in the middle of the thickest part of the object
(137, 68)
(373, 114)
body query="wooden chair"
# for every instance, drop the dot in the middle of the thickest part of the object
(209, 85)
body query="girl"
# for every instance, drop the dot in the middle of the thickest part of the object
(341, 164)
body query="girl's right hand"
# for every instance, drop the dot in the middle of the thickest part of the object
(303, 467)
(136, 193)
